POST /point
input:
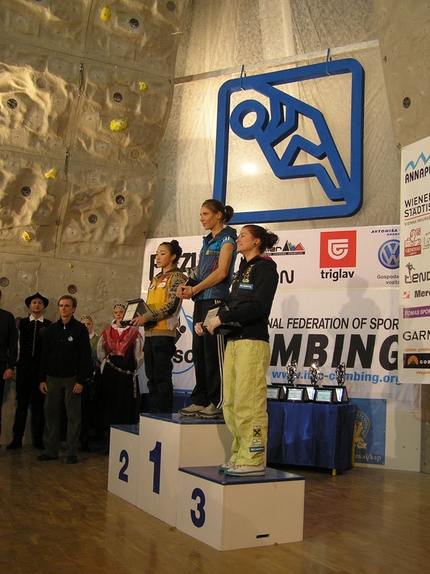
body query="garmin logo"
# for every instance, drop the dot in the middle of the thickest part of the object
(416, 335)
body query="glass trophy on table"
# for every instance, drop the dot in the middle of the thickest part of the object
(295, 392)
(340, 389)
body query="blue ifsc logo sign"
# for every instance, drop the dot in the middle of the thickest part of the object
(183, 358)
(272, 120)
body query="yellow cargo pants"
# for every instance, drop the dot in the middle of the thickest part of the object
(245, 399)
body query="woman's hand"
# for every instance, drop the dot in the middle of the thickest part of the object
(185, 292)
(138, 321)
(212, 324)
(198, 328)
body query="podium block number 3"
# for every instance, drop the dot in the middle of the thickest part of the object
(123, 457)
(155, 457)
(198, 515)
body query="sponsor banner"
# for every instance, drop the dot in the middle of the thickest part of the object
(364, 257)
(337, 301)
(369, 431)
(414, 288)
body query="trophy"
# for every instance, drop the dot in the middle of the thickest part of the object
(314, 377)
(340, 374)
(291, 372)
(320, 394)
(293, 391)
(285, 391)
(314, 374)
(339, 389)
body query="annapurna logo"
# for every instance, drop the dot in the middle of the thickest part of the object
(417, 169)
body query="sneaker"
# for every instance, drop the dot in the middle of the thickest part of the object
(45, 457)
(191, 411)
(226, 466)
(247, 470)
(210, 412)
(16, 443)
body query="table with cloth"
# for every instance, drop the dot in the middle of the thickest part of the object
(311, 434)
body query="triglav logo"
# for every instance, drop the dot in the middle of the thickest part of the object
(289, 153)
(338, 248)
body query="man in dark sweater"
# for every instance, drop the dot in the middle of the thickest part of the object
(30, 331)
(65, 364)
(8, 350)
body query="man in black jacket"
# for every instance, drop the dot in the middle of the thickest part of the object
(65, 364)
(30, 331)
(8, 349)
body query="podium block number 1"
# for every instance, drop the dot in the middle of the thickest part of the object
(155, 457)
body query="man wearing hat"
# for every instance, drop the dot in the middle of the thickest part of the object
(28, 394)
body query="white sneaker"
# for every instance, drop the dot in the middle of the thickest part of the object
(226, 466)
(191, 411)
(246, 470)
(211, 412)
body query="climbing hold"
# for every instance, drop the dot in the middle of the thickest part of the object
(105, 14)
(143, 86)
(118, 125)
(51, 174)
(26, 236)
(70, 265)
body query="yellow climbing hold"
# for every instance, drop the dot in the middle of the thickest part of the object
(143, 86)
(26, 236)
(51, 174)
(118, 125)
(105, 14)
(70, 265)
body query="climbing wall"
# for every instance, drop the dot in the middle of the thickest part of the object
(85, 92)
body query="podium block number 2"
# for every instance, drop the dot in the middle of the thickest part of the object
(155, 457)
(123, 457)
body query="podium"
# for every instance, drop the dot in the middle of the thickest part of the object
(123, 459)
(167, 442)
(168, 467)
(228, 512)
